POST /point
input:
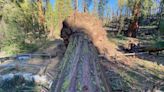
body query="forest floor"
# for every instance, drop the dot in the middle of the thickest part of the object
(36, 65)
(145, 72)
(128, 74)
(140, 73)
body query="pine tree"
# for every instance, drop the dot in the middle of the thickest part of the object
(137, 7)
(68, 7)
(121, 4)
(63, 8)
(49, 14)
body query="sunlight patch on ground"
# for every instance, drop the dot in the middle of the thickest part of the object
(151, 67)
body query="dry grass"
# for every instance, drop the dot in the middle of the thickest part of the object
(150, 67)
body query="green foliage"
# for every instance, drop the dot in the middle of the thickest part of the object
(148, 4)
(49, 15)
(121, 3)
(20, 29)
(159, 44)
(62, 9)
(161, 26)
(145, 5)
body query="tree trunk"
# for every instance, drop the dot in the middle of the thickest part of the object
(132, 30)
(85, 7)
(80, 71)
(95, 8)
(133, 27)
(121, 22)
(41, 18)
(76, 5)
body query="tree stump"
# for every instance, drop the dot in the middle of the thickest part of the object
(80, 71)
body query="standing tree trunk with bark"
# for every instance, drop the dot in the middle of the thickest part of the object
(133, 27)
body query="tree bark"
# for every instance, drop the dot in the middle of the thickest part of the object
(80, 71)
(133, 27)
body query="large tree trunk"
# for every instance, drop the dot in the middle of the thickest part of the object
(133, 27)
(132, 30)
(80, 69)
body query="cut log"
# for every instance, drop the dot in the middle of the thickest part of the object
(80, 71)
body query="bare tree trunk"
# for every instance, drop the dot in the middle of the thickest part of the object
(133, 27)
(85, 8)
(75, 5)
(121, 22)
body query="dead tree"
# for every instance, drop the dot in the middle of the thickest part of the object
(80, 69)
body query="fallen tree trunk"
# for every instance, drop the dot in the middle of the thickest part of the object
(80, 71)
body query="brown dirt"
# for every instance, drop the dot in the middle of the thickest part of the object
(90, 25)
